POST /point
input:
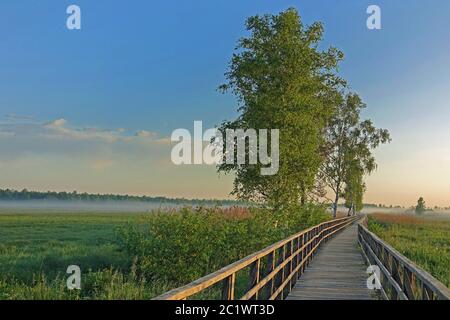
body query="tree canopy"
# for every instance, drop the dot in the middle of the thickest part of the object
(283, 81)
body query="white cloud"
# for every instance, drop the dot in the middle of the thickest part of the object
(61, 129)
(57, 137)
(58, 123)
(58, 129)
(145, 134)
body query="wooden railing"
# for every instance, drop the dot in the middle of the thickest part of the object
(272, 272)
(400, 279)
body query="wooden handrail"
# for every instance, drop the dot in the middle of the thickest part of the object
(401, 279)
(285, 261)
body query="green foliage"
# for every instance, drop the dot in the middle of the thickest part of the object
(182, 246)
(282, 81)
(354, 187)
(376, 226)
(39, 289)
(420, 207)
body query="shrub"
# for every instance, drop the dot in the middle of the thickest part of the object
(179, 247)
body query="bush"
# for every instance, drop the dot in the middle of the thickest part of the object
(179, 247)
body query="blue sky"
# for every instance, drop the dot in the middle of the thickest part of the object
(154, 66)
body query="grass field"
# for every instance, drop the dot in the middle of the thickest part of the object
(35, 243)
(130, 255)
(37, 247)
(425, 240)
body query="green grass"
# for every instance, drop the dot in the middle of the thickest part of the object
(130, 255)
(41, 243)
(424, 240)
(37, 247)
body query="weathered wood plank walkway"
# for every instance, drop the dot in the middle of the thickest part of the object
(337, 272)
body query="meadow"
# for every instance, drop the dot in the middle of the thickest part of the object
(36, 248)
(131, 255)
(424, 239)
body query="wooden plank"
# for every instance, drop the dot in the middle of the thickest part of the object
(228, 287)
(337, 272)
(253, 278)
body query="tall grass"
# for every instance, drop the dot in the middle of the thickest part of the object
(425, 241)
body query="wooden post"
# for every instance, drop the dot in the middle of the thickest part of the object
(228, 287)
(284, 273)
(396, 271)
(291, 264)
(427, 294)
(297, 258)
(279, 278)
(408, 284)
(310, 236)
(306, 251)
(270, 268)
(302, 255)
(254, 277)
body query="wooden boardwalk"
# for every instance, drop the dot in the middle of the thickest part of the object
(337, 272)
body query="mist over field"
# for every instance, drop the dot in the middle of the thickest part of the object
(84, 206)
(124, 206)
(370, 209)
(432, 214)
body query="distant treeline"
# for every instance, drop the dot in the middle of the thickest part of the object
(9, 194)
(373, 205)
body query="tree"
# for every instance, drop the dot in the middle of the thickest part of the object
(354, 188)
(420, 208)
(282, 81)
(348, 149)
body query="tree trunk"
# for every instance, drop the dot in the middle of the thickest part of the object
(349, 210)
(302, 199)
(335, 205)
(302, 195)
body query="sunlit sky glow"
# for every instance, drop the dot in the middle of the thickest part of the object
(92, 110)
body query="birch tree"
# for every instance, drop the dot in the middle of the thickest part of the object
(349, 142)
